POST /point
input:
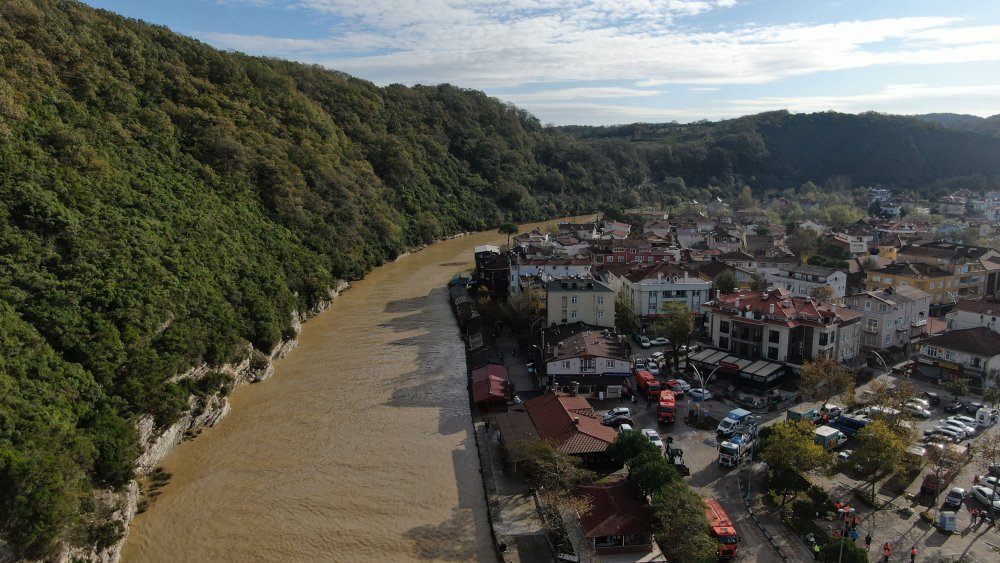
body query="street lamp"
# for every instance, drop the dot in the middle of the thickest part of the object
(882, 361)
(703, 381)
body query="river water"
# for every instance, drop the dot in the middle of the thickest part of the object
(359, 448)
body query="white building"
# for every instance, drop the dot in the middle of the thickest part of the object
(891, 316)
(547, 269)
(802, 280)
(972, 313)
(972, 353)
(645, 288)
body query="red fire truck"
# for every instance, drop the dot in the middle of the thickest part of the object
(721, 528)
(668, 406)
(647, 384)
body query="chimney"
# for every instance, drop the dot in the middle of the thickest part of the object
(771, 309)
(737, 302)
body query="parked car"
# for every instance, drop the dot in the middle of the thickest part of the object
(844, 456)
(653, 368)
(617, 421)
(961, 425)
(618, 411)
(659, 341)
(832, 411)
(988, 481)
(700, 393)
(916, 410)
(684, 385)
(954, 407)
(968, 420)
(973, 406)
(954, 434)
(655, 356)
(924, 403)
(986, 496)
(675, 386)
(654, 437)
(683, 349)
(933, 398)
(956, 496)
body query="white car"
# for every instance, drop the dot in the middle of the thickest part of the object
(924, 403)
(654, 437)
(967, 420)
(617, 411)
(916, 410)
(659, 341)
(700, 393)
(951, 421)
(989, 481)
(952, 433)
(986, 496)
(656, 356)
(844, 456)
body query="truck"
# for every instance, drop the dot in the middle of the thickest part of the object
(850, 424)
(647, 384)
(667, 411)
(829, 437)
(721, 528)
(736, 449)
(802, 413)
(938, 479)
(735, 418)
(675, 456)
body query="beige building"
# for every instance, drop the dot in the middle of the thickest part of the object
(580, 299)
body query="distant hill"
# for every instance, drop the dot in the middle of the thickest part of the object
(961, 122)
(164, 204)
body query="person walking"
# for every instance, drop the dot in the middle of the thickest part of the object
(816, 551)
(887, 552)
(635, 401)
(975, 516)
(913, 554)
(868, 541)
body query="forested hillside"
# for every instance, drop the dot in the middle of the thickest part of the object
(963, 122)
(164, 204)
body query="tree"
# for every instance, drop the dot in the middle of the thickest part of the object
(630, 445)
(992, 396)
(758, 283)
(880, 452)
(508, 229)
(843, 550)
(791, 449)
(726, 282)
(957, 387)
(988, 455)
(677, 325)
(803, 243)
(746, 200)
(683, 527)
(821, 380)
(547, 468)
(651, 472)
(823, 294)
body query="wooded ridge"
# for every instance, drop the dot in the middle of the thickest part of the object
(162, 204)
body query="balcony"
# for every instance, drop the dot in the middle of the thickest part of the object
(921, 322)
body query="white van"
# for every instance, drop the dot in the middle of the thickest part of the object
(623, 428)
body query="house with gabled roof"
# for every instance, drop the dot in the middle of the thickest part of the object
(618, 518)
(971, 353)
(587, 362)
(569, 422)
(646, 287)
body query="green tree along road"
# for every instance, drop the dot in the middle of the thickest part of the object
(164, 204)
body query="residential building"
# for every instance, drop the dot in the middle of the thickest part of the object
(584, 299)
(629, 251)
(921, 276)
(724, 239)
(802, 280)
(546, 269)
(617, 519)
(972, 313)
(645, 288)
(740, 259)
(568, 421)
(971, 353)
(951, 205)
(891, 317)
(495, 275)
(583, 231)
(780, 327)
(963, 263)
(587, 362)
(753, 243)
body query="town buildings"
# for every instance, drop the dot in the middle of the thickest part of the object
(891, 317)
(971, 353)
(645, 288)
(580, 299)
(801, 281)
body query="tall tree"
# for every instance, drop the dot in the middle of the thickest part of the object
(790, 449)
(508, 229)
(880, 453)
(726, 282)
(682, 527)
(549, 468)
(822, 380)
(677, 324)
(823, 294)
(803, 243)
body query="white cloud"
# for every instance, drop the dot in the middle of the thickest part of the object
(609, 92)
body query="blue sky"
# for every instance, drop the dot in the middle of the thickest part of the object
(623, 61)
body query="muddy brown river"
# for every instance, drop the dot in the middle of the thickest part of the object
(359, 448)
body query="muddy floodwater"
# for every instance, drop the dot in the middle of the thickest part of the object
(359, 448)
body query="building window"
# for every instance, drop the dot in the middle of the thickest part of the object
(724, 343)
(664, 294)
(588, 364)
(876, 278)
(881, 307)
(574, 299)
(975, 362)
(868, 305)
(621, 259)
(600, 313)
(565, 364)
(872, 325)
(572, 314)
(824, 338)
(610, 259)
(600, 301)
(772, 353)
(610, 364)
(774, 337)
(724, 327)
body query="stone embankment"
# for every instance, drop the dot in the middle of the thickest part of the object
(202, 413)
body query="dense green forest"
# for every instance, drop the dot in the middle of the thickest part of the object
(164, 204)
(964, 122)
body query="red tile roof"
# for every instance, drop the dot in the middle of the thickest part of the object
(569, 421)
(481, 373)
(789, 310)
(615, 509)
(491, 388)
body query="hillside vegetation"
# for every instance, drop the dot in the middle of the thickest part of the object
(164, 204)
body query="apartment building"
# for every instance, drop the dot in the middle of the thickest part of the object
(891, 317)
(580, 299)
(800, 281)
(645, 288)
